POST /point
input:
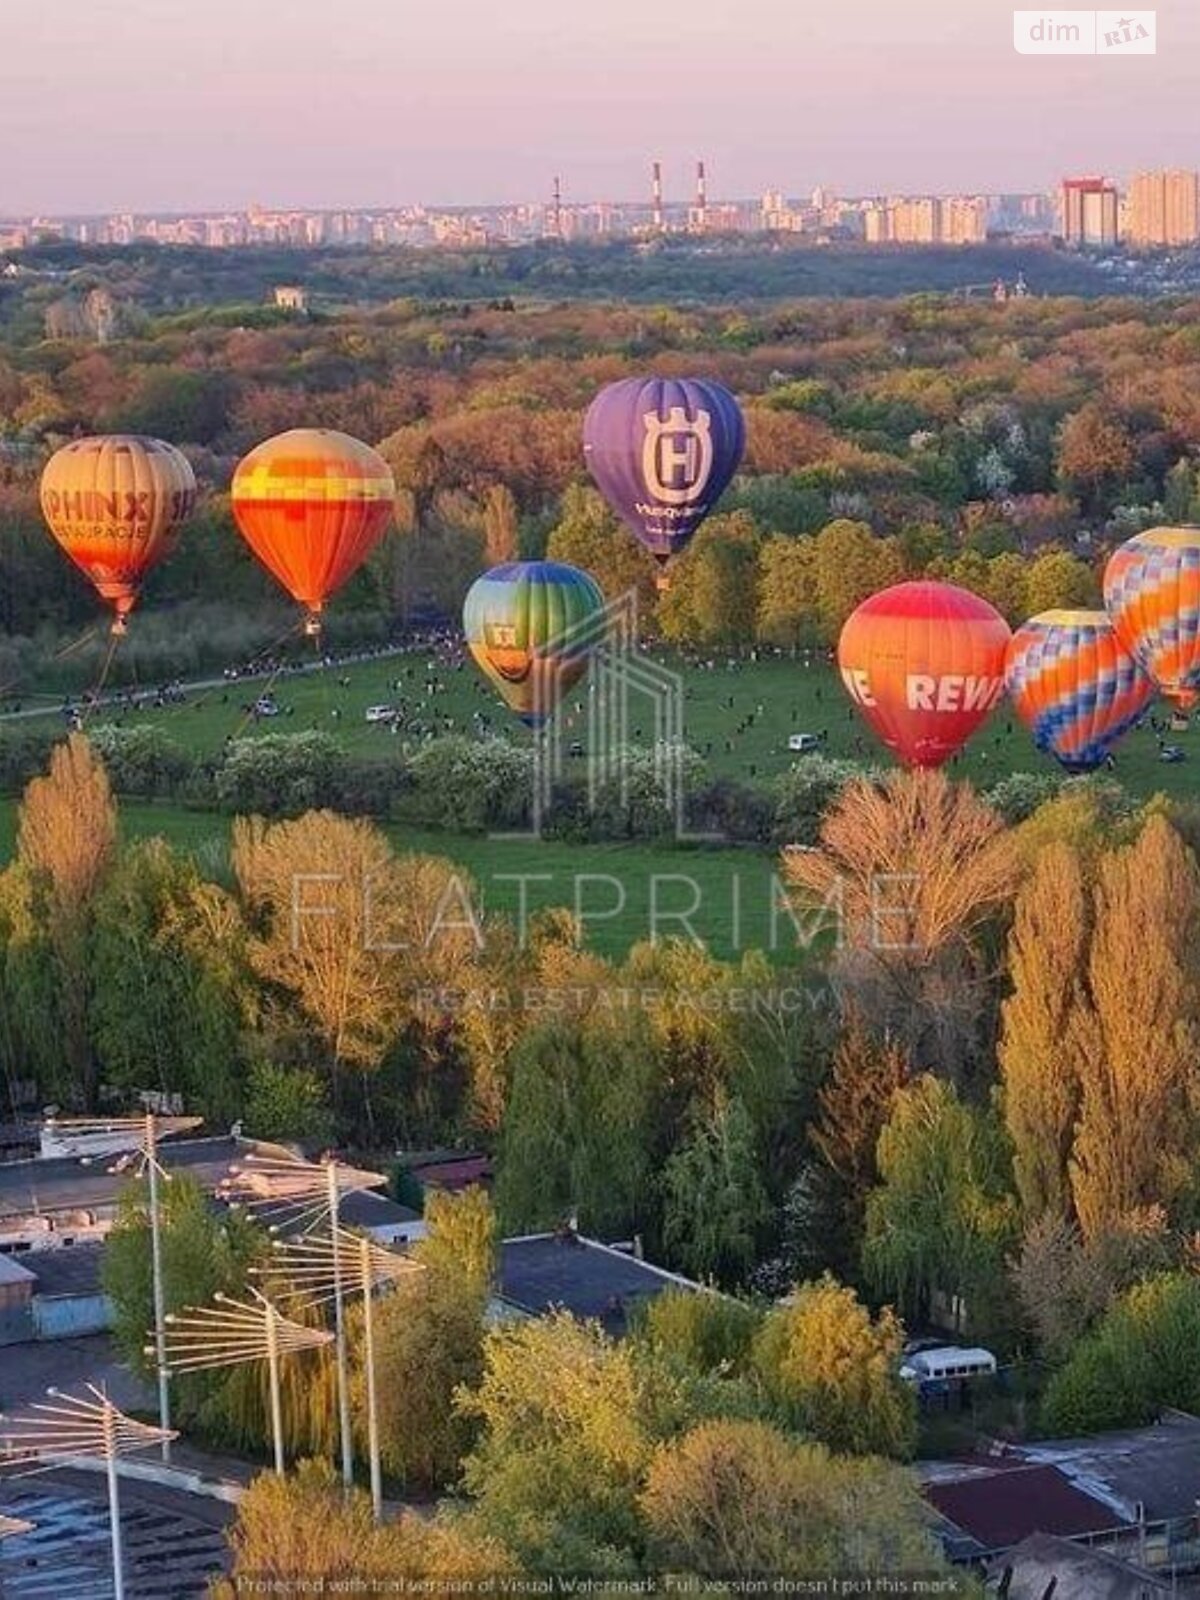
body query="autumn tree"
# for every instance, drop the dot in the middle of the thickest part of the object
(731, 1500)
(1038, 1070)
(66, 842)
(1137, 1032)
(713, 597)
(787, 591)
(908, 873)
(304, 1530)
(355, 935)
(834, 1373)
(1095, 455)
(714, 1201)
(588, 535)
(851, 563)
(500, 524)
(854, 1103)
(1057, 580)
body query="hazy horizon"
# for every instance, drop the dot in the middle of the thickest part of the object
(163, 105)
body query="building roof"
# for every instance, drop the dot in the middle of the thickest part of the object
(67, 1183)
(12, 1271)
(72, 1270)
(1075, 1571)
(564, 1271)
(998, 1509)
(453, 1172)
(1158, 1466)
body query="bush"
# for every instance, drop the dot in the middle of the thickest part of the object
(804, 793)
(142, 761)
(469, 785)
(1019, 795)
(1141, 1359)
(710, 1332)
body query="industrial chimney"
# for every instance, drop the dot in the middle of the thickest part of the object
(656, 194)
(701, 198)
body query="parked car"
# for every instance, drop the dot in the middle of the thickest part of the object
(802, 743)
(1172, 753)
(381, 713)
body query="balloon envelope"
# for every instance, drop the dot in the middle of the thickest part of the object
(1074, 686)
(529, 627)
(1152, 594)
(924, 663)
(114, 503)
(312, 504)
(662, 451)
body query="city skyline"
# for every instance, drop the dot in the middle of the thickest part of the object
(214, 108)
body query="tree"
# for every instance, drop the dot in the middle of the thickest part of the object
(734, 1500)
(588, 535)
(851, 564)
(835, 1374)
(170, 982)
(1140, 1360)
(908, 873)
(940, 1221)
(787, 591)
(1065, 1282)
(304, 1530)
(356, 936)
(1137, 1033)
(201, 1255)
(66, 838)
(714, 1201)
(460, 1241)
(713, 597)
(1095, 455)
(1057, 580)
(500, 524)
(1038, 1071)
(709, 1332)
(854, 1103)
(578, 1127)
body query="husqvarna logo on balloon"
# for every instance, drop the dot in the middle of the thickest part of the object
(677, 456)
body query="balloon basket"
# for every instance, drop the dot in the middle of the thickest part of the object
(120, 626)
(312, 626)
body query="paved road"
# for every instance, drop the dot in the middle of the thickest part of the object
(173, 1543)
(49, 704)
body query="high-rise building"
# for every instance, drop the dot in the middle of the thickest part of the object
(1163, 208)
(964, 219)
(1089, 211)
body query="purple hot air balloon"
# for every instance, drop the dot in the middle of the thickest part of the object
(662, 451)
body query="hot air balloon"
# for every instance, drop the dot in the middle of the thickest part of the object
(1074, 686)
(115, 503)
(312, 504)
(924, 663)
(526, 624)
(1152, 594)
(662, 451)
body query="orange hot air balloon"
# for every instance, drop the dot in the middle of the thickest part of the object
(312, 504)
(924, 663)
(114, 503)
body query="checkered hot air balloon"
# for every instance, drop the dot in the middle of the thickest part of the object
(1152, 594)
(1074, 686)
(532, 627)
(312, 504)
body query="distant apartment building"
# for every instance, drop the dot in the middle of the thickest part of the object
(1089, 211)
(926, 219)
(1163, 208)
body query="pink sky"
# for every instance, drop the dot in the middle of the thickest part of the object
(202, 104)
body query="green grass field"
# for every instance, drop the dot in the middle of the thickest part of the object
(624, 893)
(738, 718)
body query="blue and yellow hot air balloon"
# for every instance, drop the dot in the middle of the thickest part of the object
(532, 627)
(1074, 686)
(1152, 594)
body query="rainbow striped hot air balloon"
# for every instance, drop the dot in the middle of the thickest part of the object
(1152, 594)
(1074, 686)
(527, 626)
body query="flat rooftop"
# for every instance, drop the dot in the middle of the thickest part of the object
(563, 1271)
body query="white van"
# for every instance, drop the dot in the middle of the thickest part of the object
(380, 713)
(948, 1363)
(802, 743)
